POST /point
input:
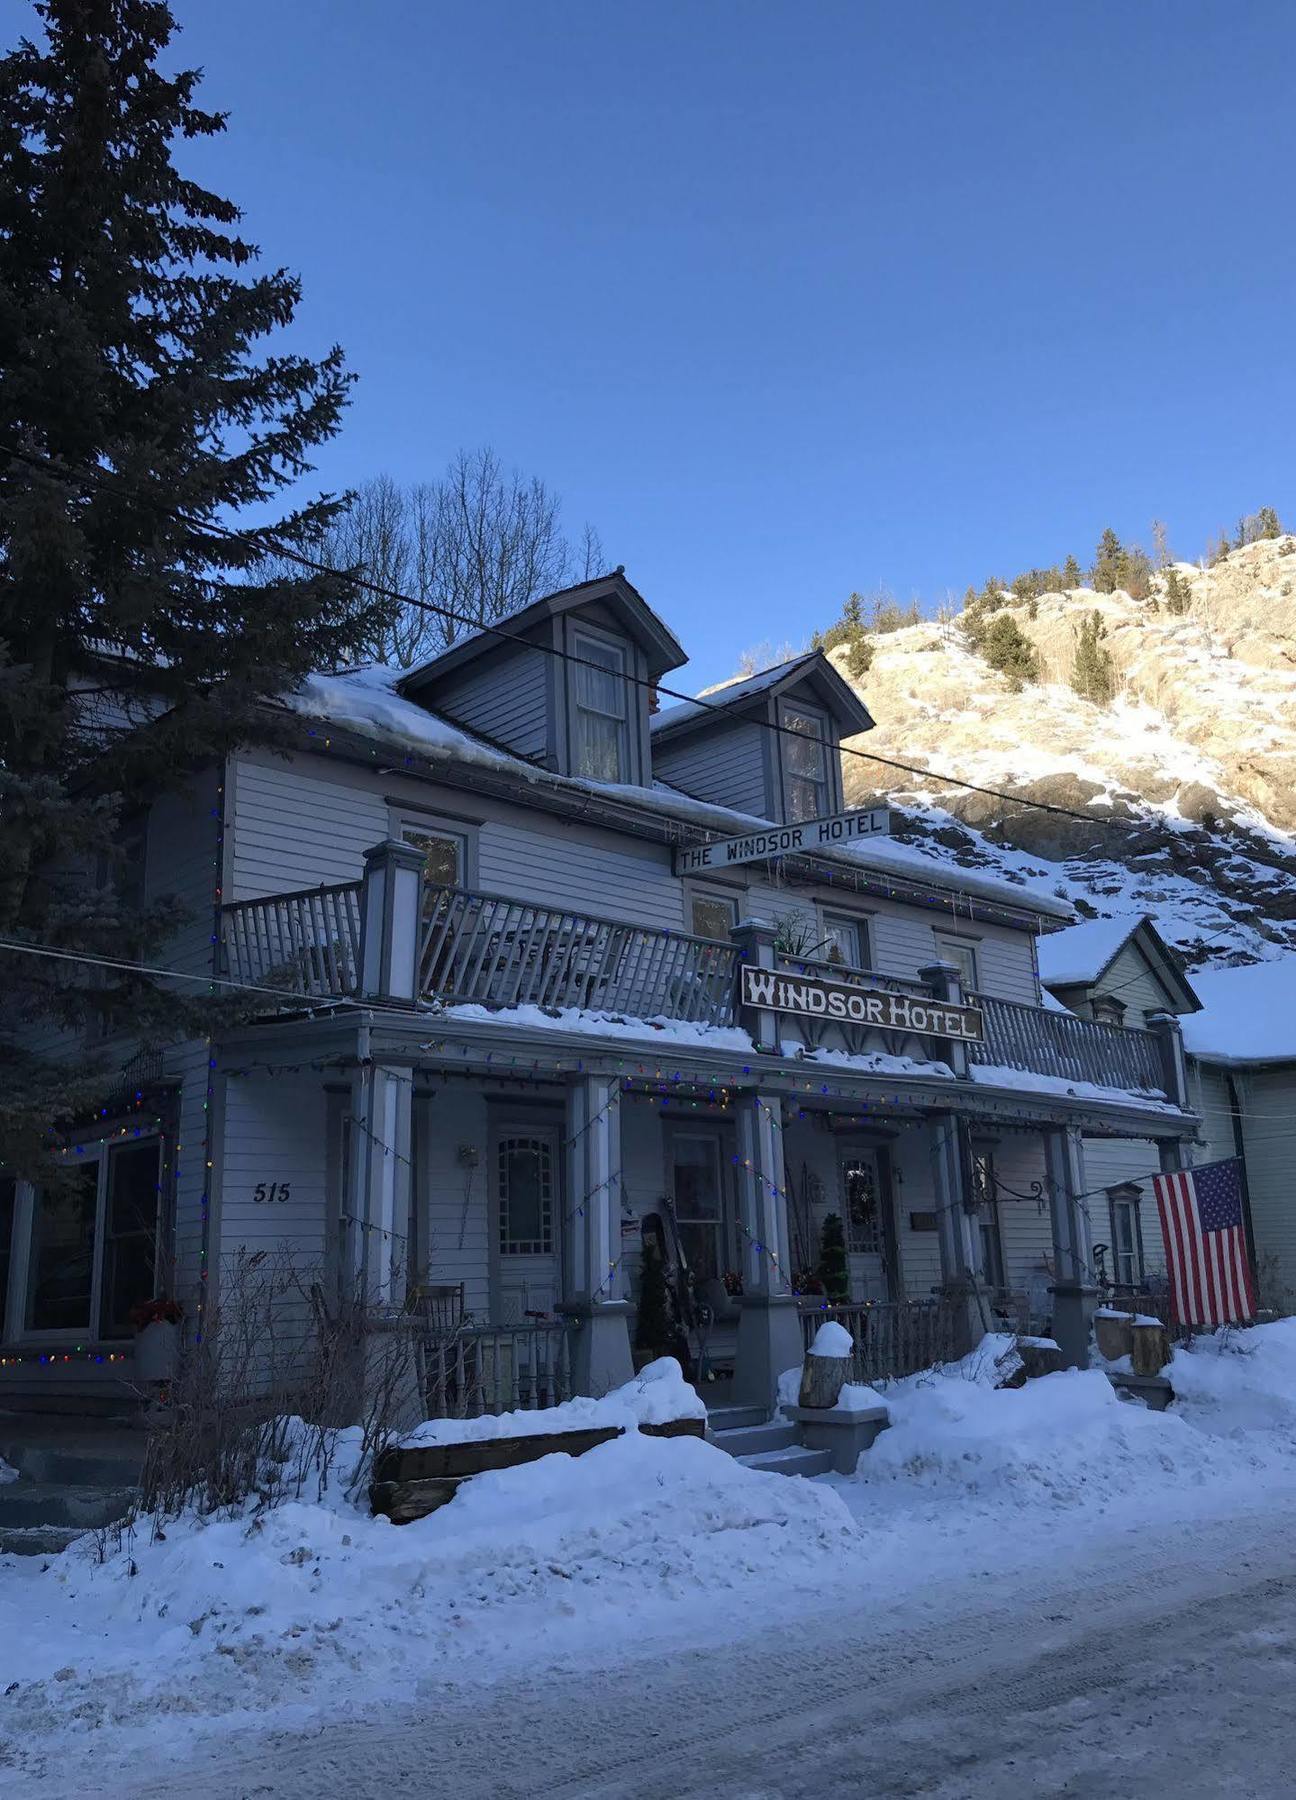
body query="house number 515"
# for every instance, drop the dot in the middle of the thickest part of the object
(277, 1190)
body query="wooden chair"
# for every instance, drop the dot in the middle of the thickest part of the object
(439, 1306)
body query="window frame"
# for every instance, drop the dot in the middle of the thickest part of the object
(719, 897)
(949, 947)
(859, 924)
(987, 1216)
(406, 824)
(854, 1247)
(818, 716)
(583, 638)
(1116, 1201)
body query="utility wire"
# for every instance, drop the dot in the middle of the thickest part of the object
(266, 542)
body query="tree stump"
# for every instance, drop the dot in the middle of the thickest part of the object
(822, 1380)
(1113, 1334)
(1149, 1348)
(1039, 1356)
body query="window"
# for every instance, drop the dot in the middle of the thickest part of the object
(805, 764)
(1108, 1010)
(1127, 1240)
(963, 956)
(713, 916)
(845, 942)
(861, 1196)
(61, 1278)
(443, 854)
(130, 1247)
(526, 1180)
(986, 1190)
(601, 746)
(95, 1242)
(697, 1187)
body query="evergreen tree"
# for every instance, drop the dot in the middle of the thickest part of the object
(658, 1331)
(853, 613)
(1177, 596)
(1093, 673)
(1109, 564)
(1072, 574)
(133, 319)
(1267, 523)
(859, 658)
(834, 1270)
(1005, 646)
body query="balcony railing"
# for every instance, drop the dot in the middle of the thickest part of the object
(509, 953)
(307, 943)
(892, 1338)
(1041, 1042)
(505, 953)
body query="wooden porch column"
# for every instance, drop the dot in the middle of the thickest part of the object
(962, 1275)
(593, 1278)
(1074, 1294)
(382, 1110)
(769, 1324)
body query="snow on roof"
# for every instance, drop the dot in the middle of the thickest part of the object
(1248, 1014)
(1079, 954)
(730, 693)
(365, 700)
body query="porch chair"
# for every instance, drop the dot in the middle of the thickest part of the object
(440, 1306)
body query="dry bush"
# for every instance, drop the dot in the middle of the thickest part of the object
(256, 1408)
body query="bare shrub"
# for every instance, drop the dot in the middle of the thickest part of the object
(257, 1406)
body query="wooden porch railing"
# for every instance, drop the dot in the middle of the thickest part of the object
(895, 1337)
(478, 1369)
(503, 953)
(511, 953)
(306, 942)
(1042, 1042)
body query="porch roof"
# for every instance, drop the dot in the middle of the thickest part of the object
(492, 1046)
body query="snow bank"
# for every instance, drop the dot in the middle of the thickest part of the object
(657, 1394)
(261, 1620)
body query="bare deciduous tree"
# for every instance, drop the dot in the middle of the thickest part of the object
(476, 544)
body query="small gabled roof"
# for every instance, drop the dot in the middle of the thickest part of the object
(1081, 955)
(660, 644)
(812, 669)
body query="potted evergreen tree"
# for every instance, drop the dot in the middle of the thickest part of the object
(834, 1270)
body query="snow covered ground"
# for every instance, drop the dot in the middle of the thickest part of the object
(642, 1552)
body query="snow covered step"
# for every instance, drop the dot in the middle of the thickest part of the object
(24, 1504)
(754, 1440)
(795, 1460)
(37, 1540)
(734, 1418)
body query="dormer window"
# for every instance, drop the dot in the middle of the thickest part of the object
(806, 791)
(1107, 1009)
(601, 737)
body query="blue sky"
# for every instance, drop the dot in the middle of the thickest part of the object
(790, 298)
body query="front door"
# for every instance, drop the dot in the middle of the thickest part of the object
(702, 1209)
(863, 1204)
(526, 1215)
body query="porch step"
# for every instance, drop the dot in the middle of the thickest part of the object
(38, 1503)
(796, 1460)
(37, 1540)
(734, 1418)
(755, 1440)
(114, 1466)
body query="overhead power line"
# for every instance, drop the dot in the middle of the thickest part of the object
(268, 544)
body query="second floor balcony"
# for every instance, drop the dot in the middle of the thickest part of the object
(505, 954)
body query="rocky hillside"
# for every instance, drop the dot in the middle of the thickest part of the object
(1188, 774)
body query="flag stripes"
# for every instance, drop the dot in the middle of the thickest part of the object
(1205, 1242)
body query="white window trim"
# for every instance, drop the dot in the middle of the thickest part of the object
(523, 1130)
(582, 633)
(824, 723)
(723, 896)
(859, 923)
(402, 820)
(947, 940)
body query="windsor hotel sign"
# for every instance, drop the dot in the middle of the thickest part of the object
(782, 840)
(846, 1005)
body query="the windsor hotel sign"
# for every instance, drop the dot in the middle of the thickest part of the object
(843, 1004)
(782, 840)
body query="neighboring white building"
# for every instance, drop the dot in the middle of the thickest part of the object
(494, 1031)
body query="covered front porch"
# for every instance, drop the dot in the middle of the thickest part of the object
(519, 1198)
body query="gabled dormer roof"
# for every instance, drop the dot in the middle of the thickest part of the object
(1082, 955)
(810, 673)
(613, 593)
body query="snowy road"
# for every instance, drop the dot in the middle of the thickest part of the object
(1160, 1669)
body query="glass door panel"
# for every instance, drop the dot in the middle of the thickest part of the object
(130, 1235)
(698, 1188)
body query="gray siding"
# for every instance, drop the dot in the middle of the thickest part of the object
(1267, 1098)
(505, 697)
(1131, 981)
(725, 766)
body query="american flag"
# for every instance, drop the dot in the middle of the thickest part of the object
(1205, 1241)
